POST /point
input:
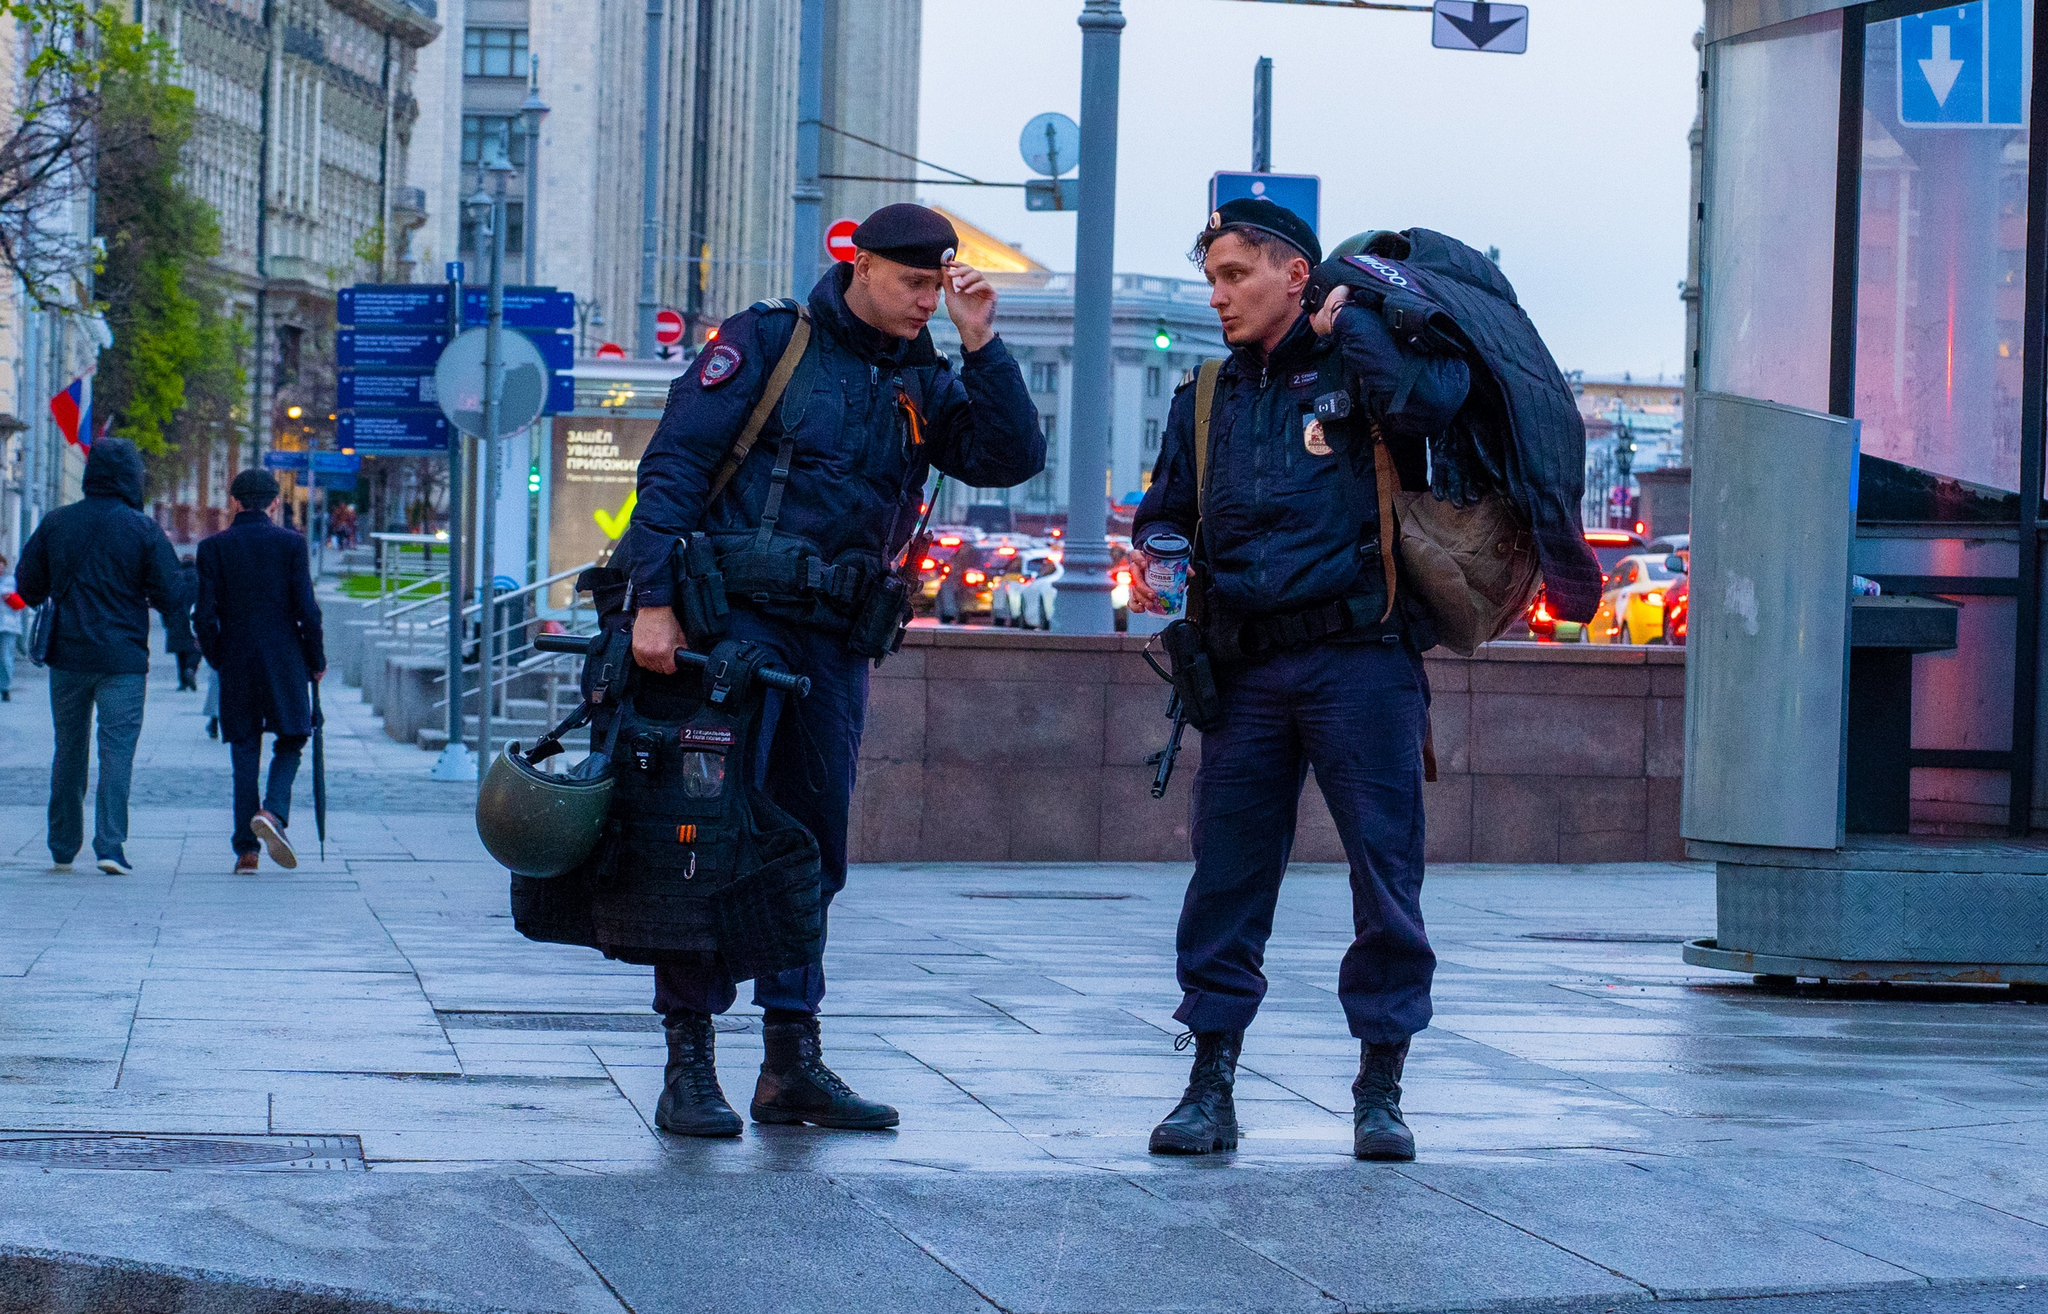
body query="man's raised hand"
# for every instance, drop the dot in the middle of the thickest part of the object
(971, 301)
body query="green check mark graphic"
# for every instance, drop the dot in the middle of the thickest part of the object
(615, 525)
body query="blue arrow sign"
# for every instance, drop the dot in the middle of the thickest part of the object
(561, 394)
(557, 349)
(392, 305)
(400, 392)
(1476, 25)
(407, 433)
(395, 349)
(295, 461)
(336, 462)
(1299, 192)
(1964, 66)
(525, 308)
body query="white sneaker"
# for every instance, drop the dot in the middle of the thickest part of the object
(115, 867)
(271, 831)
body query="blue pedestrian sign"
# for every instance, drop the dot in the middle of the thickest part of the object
(391, 392)
(392, 305)
(295, 461)
(393, 349)
(1964, 66)
(1299, 192)
(409, 433)
(525, 308)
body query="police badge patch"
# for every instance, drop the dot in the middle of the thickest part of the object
(720, 364)
(1312, 436)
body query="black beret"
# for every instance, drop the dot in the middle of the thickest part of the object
(252, 486)
(1268, 217)
(909, 235)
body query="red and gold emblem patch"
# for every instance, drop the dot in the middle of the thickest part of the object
(720, 364)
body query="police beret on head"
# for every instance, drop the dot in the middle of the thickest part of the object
(252, 486)
(1262, 214)
(909, 235)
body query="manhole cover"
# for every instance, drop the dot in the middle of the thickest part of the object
(1040, 894)
(633, 1022)
(173, 1151)
(1606, 937)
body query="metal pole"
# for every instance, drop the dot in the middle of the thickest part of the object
(532, 224)
(455, 762)
(487, 571)
(1262, 116)
(808, 233)
(650, 179)
(1084, 606)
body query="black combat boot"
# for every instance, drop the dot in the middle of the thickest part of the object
(796, 1086)
(1377, 1129)
(1206, 1118)
(691, 1103)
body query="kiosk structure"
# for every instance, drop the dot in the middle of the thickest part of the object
(1864, 769)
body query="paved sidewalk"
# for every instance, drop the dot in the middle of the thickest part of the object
(356, 1087)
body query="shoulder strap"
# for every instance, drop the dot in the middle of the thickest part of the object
(1386, 479)
(1205, 404)
(778, 381)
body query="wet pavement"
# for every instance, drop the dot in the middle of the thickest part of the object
(357, 1078)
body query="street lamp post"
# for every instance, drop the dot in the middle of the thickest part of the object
(1084, 605)
(531, 111)
(487, 584)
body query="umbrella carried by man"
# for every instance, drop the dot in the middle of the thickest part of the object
(259, 625)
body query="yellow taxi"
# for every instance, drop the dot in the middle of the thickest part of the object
(1632, 607)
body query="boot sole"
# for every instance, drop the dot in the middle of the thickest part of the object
(281, 851)
(703, 1133)
(786, 1118)
(1169, 1145)
(1383, 1149)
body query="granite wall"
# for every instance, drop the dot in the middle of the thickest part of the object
(992, 745)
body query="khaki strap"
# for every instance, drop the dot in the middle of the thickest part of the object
(1388, 479)
(778, 380)
(1205, 403)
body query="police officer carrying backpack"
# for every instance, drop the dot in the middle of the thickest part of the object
(1280, 464)
(775, 505)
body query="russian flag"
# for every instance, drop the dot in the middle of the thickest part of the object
(72, 409)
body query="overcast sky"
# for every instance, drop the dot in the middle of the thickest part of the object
(1571, 158)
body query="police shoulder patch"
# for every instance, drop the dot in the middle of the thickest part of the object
(720, 364)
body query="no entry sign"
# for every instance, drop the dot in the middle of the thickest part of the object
(610, 351)
(839, 239)
(668, 328)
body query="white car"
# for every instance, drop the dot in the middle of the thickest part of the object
(1024, 591)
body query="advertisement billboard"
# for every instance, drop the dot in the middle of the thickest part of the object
(596, 465)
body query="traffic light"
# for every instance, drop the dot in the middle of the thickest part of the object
(1162, 338)
(533, 478)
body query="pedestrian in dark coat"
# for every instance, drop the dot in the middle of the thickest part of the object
(105, 564)
(178, 640)
(259, 626)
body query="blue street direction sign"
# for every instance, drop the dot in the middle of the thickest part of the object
(336, 462)
(408, 433)
(1299, 192)
(561, 394)
(392, 305)
(1477, 25)
(1052, 194)
(557, 349)
(295, 461)
(391, 349)
(1964, 66)
(525, 308)
(388, 392)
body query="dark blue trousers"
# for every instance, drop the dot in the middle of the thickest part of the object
(810, 748)
(1356, 713)
(247, 757)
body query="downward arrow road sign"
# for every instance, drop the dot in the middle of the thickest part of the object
(1942, 70)
(1478, 25)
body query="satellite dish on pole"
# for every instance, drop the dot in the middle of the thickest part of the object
(522, 383)
(1051, 145)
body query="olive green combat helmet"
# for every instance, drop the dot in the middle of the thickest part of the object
(537, 824)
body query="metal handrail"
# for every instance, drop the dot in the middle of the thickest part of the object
(510, 660)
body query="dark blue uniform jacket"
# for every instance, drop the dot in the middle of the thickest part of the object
(857, 479)
(259, 626)
(1285, 529)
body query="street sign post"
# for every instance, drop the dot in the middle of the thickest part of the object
(839, 239)
(392, 305)
(396, 348)
(1299, 192)
(1052, 194)
(525, 308)
(1477, 25)
(668, 327)
(1964, 66)
(459, 383)
(354, 391)
(401, 433)
(1051, 145)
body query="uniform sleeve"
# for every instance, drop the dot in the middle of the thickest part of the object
(162, 582)
(306, 609)
(1430, 389)
(206, 604)
(1169, 505)
(697, 429)
(984, 429)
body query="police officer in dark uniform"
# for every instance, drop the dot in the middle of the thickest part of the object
(840, 494)
(1313, 667)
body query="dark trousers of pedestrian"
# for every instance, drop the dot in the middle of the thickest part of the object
(1357, 714)
(810, 747)
(277, 793)
(188, 670)
(75, 697)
